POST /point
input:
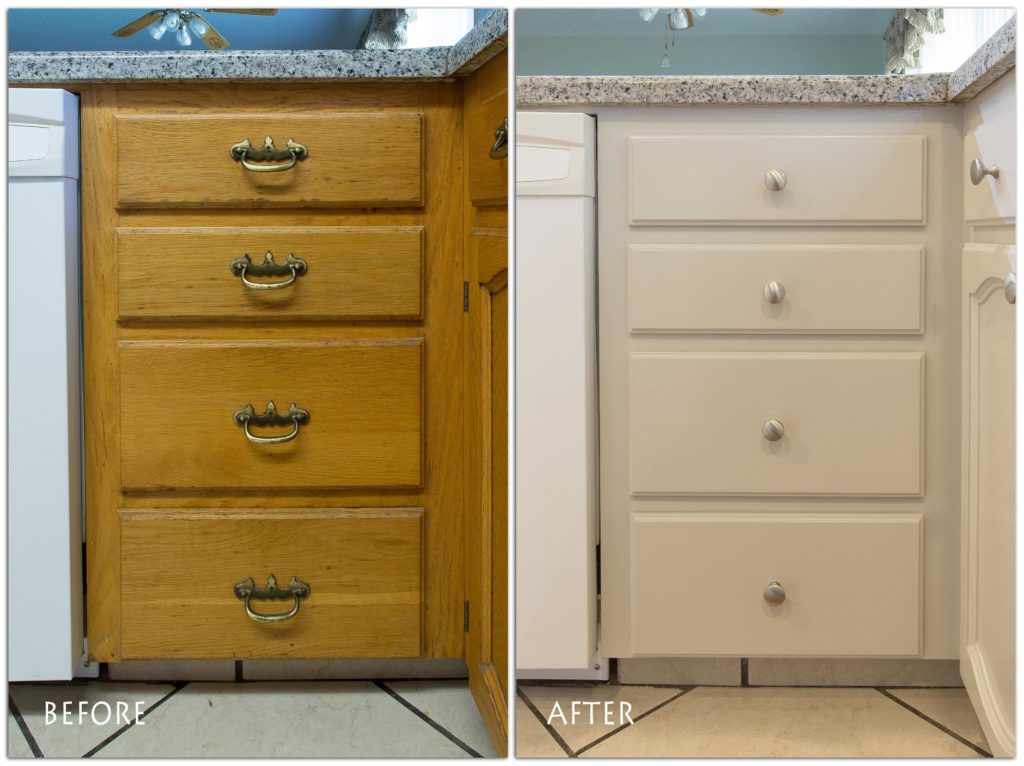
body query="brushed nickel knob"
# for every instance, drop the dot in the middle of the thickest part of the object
(1010, 288)
(774, 292)
(773, 430)
(774, 593)
(775, 180)
(979, 171)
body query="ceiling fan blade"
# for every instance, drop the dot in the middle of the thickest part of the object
(248, 11)
(140, 23)
(769, 11)
(214, 40)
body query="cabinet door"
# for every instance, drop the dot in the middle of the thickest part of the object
(987, 535)
(487, 469)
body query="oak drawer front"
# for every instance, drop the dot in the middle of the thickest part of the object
(353, 160)
(362, 567)
(776, 288)
(836, 180)
(178, 402)
(851, 584)
(776, 423)
(994, 145)
(343, 273)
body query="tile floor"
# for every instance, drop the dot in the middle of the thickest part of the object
(752, 722)
(435, 718)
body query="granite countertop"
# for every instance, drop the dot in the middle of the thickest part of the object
(483, 42)
(991, 61)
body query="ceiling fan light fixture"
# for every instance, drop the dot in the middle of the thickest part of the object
(184, 38)
(198, 26)
(158, 28)
(648, 14)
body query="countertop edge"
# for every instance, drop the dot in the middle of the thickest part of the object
(753, 90)
(479, 45)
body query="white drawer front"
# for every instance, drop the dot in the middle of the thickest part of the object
(852, 584)
(852, 423)
(994, 143)
(832, 180)
(826, 288)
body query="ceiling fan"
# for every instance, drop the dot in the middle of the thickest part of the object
(678, 19)
(180, 21)
(683, 18)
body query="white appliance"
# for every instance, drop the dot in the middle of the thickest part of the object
(44, 441)
(556, 398)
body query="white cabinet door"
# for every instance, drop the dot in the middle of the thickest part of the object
(987, 539)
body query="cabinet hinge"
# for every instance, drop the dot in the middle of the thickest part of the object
(465, 296)
(465, 616)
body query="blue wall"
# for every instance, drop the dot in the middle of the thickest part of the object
(740, 55)
(89, 29)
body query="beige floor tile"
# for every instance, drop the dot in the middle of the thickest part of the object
(782, 722)
(57, 740)
(586, 728)
(532, 739)
(17, 745)
(950, 707)
(450, 704)
(297, 719)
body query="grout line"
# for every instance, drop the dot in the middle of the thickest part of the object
(90, 753)
(543, 722)
(424, 717)
(25, 731)
(640, 717)
(933, 722)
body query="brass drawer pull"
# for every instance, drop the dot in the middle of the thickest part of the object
(243, 152)
(292, 265)
(500, 149)
(247, 589)
(295, 415)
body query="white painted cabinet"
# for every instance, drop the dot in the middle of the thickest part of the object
(779, 380)
(988, 531)
(988, 535)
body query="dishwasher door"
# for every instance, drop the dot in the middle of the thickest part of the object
(44, 394)
(556, 399)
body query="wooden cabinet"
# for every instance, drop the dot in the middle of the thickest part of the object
(485, 432)
(344, 295)
(347, 159)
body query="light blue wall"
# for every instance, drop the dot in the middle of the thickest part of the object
(700, 55)
(89, 29)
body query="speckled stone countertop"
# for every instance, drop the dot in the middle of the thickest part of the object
(479, 45)
(991, 61)
(772, 89)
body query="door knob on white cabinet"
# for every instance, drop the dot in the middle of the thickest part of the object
(1010, 288)
(774, 593)
(979, 171)
(773, 430)
(774, 292)
(775, 180)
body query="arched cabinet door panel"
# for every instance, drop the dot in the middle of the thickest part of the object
(987, 637)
